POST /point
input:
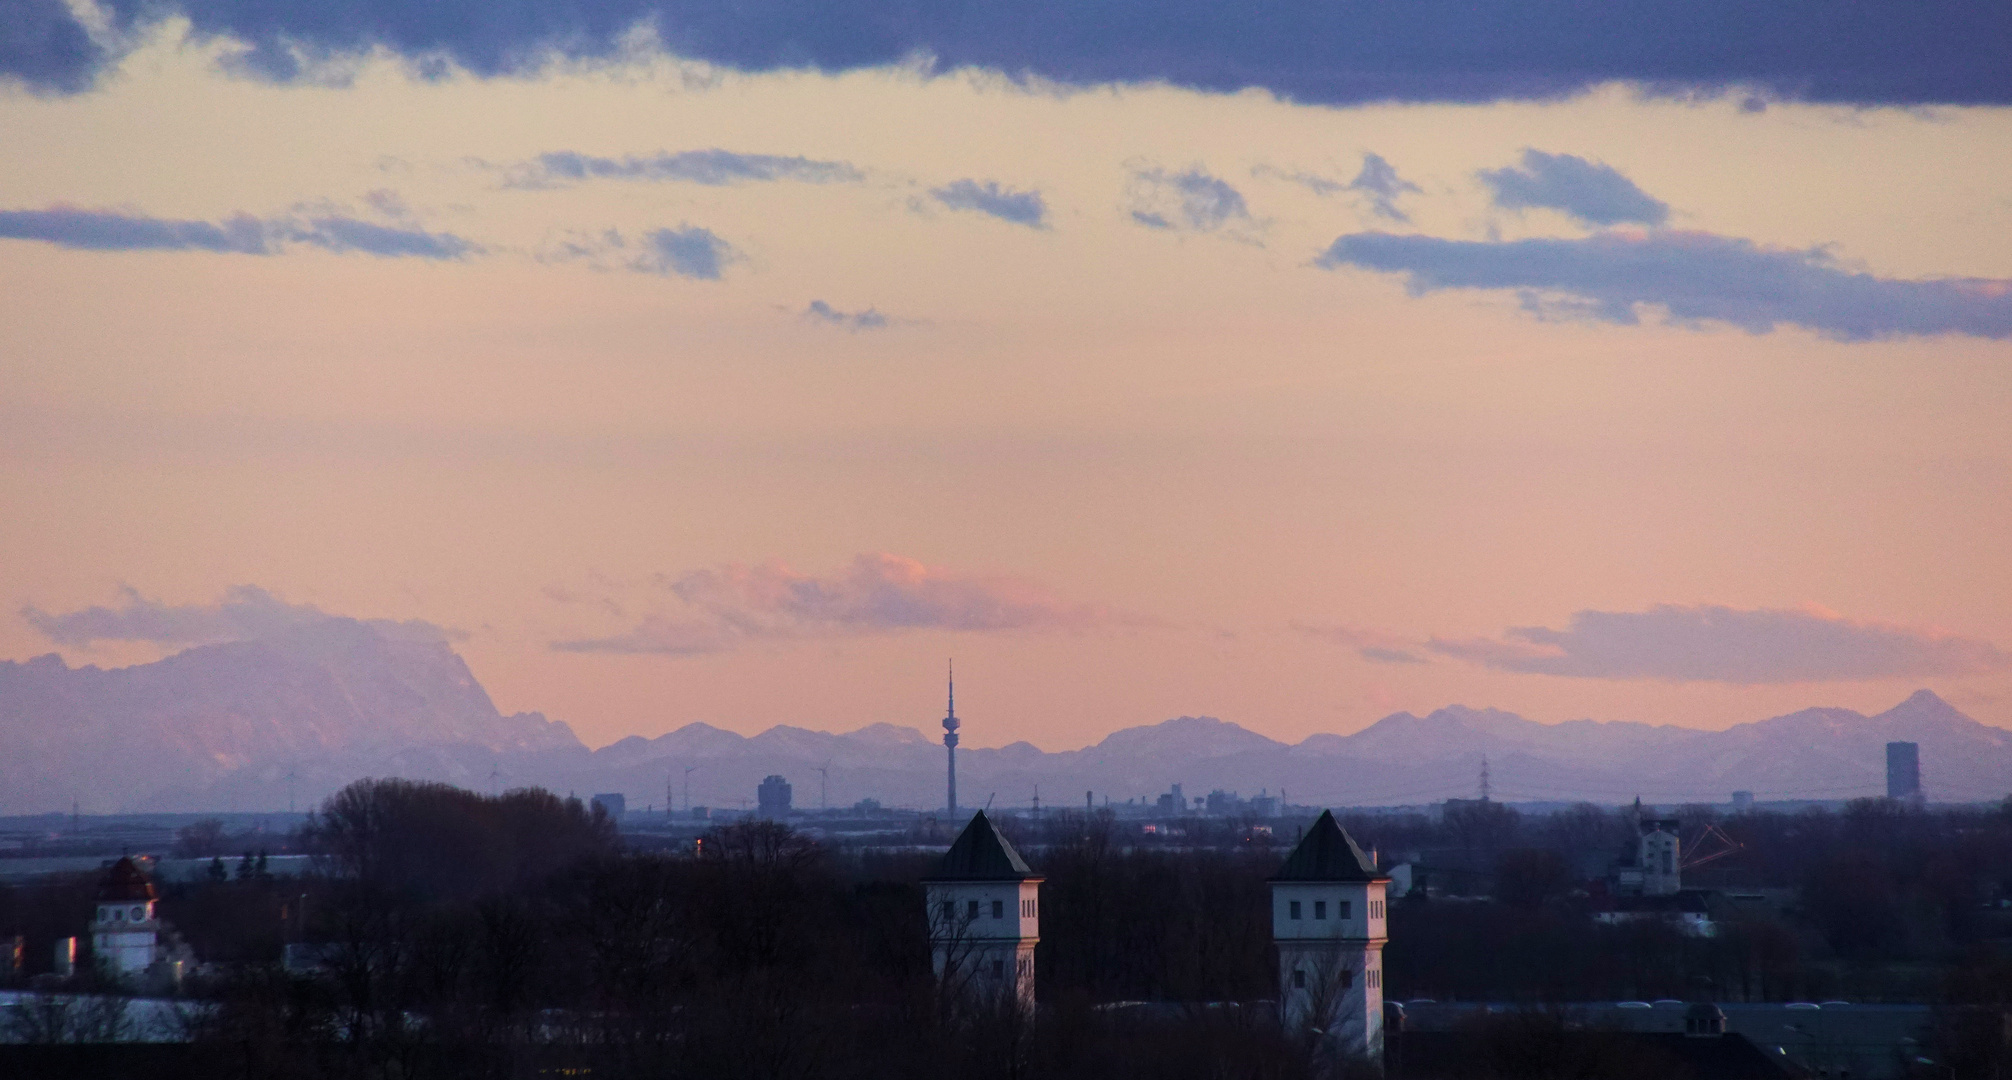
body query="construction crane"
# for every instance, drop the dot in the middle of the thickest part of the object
(1709, 846)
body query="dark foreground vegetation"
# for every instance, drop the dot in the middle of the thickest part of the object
(461, 935)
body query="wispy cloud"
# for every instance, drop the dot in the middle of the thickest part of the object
(686, 251)
(1372, 645)
(713, 167)
(1379, 185)
(1728, 645)
(876, 594)
(1591, 191)
(1695, 277)
(1019, 207)
(243, 613)
(655, 635)
(242, 234)
(820, 312)
(1192, 200)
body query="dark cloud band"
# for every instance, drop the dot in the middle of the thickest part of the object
(1694, 276)
(94, 230)
(1882, 51)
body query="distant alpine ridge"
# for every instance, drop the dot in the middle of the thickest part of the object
(257, 725)
(323, 703)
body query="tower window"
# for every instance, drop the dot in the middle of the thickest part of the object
(1320, 909)
(1347, 978)
(1298, 979)
(974, 909)
(998, 969)
(949, 910)
(998, 909)
(1341, 909)
(1293, 908)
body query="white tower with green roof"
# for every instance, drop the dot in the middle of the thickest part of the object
(1328, 921)
(984, 908)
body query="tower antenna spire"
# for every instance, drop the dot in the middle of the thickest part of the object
(950, 726)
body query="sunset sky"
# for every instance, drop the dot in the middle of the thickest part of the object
(683, 368)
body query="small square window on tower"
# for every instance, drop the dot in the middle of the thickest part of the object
(998, 909)
(1293, 907)
(1320, 909)
(974, 909)
(1298, 979)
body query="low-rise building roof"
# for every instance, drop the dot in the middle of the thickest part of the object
(1328, 853)
(125, 881)
(982, 853)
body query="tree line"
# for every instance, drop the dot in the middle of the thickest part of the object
(466, 935)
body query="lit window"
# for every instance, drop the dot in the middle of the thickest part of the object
(1294, 908)
(1320, 909)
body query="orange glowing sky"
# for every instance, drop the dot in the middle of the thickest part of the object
(1121, 472)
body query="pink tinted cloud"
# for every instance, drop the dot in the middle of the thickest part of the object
(1713, 643)
(876, 593)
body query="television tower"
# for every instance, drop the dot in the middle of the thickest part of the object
(950, 726)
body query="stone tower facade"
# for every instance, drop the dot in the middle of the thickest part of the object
(1658, 856)
(1328, 921)
(126, 934)
(984, 917)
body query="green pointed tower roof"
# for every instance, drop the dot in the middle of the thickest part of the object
(982, 854)
(1328, 853)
